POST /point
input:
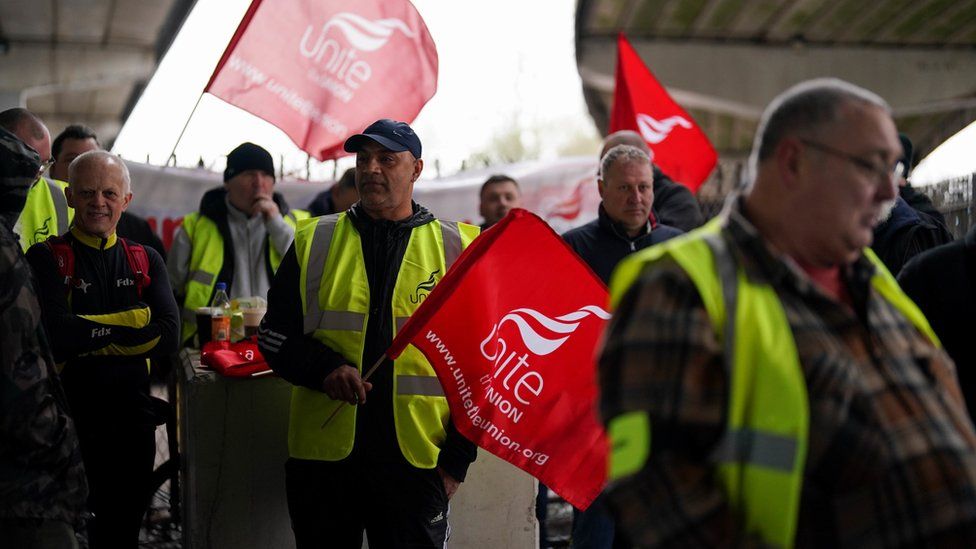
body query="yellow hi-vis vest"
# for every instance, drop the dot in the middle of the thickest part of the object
(336, 304)
(206, 261)
(761, 457)
(46, 213)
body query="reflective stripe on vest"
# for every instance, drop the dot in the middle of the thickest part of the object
(761, 457)
(419, 385)
(340, 320)
(203, 277)
(762, 449)
(60, 203)
(207, 259)
(335, 297)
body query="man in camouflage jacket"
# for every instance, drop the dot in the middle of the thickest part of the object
(42, 479)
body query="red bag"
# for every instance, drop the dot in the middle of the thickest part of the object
(241, 359)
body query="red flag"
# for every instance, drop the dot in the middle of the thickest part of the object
(511, 331)
(641, 104)
(322, 70)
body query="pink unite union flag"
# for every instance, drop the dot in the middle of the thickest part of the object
(322, 70)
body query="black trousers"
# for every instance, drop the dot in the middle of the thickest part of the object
(117, 435)
(37, 534)
(118, 468)
(398, 506)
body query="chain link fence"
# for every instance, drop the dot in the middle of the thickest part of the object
(729, 175)
(954, 198)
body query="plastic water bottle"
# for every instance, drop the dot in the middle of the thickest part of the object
(220, 314)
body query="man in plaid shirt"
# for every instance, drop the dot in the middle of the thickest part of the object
(764, 380)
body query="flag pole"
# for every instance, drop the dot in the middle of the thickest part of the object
(459, 266)
(185, 125)
(365, 377)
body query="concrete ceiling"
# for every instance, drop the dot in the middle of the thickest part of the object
(724, 60)
(83, 61)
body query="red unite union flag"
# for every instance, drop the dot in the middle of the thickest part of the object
(322, 70)
(511, 331)
(641, 104)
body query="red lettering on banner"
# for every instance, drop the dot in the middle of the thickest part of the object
(169, 228)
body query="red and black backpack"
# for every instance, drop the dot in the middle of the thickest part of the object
(134, 253)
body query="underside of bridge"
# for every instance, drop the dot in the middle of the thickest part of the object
(724, 60)
(86, 61)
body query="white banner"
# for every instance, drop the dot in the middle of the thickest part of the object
(563, 192)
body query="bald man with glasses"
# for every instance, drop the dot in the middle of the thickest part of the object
(795, 396)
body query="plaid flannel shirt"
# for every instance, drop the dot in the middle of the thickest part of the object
(891, 460)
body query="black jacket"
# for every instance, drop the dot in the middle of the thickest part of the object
(305, 361)
(113, 385)
(602, 244)
(905, 234)
(322, 204)
(942, 282)
(921, 202)
(674, 204)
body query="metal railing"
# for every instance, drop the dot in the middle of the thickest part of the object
(953, 197)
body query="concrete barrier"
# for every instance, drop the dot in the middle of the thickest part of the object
(234, 445)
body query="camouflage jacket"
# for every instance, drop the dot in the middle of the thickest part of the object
(41, 472)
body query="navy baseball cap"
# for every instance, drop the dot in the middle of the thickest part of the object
(393, 135)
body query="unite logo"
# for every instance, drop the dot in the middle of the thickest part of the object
(424, 288)
(654, 130)
(344, 72)
(511, 369)
(41, 232)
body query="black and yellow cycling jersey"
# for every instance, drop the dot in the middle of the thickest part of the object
(97, 317)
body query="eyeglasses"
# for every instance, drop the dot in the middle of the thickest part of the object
(44, 166)
(886, 175)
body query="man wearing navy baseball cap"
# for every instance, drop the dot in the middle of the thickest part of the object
(390, 459)
(395, 136)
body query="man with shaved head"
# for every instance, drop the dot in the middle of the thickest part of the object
(674, 204)
(107, 305)
(46, 212)
(29, 128)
